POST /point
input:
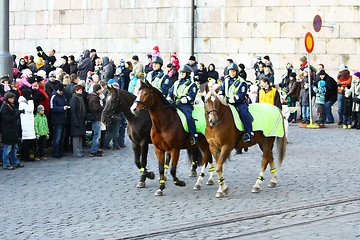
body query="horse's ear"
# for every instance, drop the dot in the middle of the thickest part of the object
(217, 89)
(114, 89)
(147, 83)
(207, 89)
(109, 88)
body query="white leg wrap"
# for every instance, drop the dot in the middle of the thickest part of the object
(200, 178)
(212, 173)
(259, 181)
(273, 177)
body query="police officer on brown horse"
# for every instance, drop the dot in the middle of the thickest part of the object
(234, 90)
(183, 93)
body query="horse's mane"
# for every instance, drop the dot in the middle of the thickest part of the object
(162, 98)
(214, 94)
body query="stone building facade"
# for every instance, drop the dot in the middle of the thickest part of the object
(237, 29)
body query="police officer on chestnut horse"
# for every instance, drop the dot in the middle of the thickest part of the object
(157, 78)
(183, 93)
(234, 90)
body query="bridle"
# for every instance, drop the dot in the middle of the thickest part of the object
(217, 113)
(144, 105)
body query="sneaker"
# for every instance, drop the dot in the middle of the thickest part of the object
(37, 159)
(344, 126)
(349, 126)
(8, 167)
(123, 146)
(100, 151)
(43, 158)
(293, 121)
(117, 148)
(354, 126)
(19, 165)
(307, 121)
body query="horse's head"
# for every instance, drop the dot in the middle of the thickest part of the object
(113, 106)
(143, 99)
(213, 103)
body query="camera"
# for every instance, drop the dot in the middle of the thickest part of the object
(38, 48)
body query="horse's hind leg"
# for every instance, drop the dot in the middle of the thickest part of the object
(274, 176)
(266, 147)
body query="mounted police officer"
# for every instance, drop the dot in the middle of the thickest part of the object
(157, 78)
(234, 90)
(183, 92)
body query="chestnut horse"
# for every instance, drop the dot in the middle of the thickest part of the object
(223, 136)
(168, 134)
(119, 102)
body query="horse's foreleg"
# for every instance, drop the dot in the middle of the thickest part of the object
(167, 162)
(223, 155)
(161, 161)
(200, 178)
(212, 174)
(137, 152)
(174, 161)
(144, 155)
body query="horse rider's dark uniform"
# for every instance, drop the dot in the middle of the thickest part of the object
(159, 80)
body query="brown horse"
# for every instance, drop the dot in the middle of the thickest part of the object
(223, 136)
(119, 102)
(168, 134)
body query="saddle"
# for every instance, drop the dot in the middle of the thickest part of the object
(267, 118)
(198, 114)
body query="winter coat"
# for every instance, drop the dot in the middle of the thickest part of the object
(50, 87)
(125, 79)
(132, 85)
(331, 89)
(293, 88)
(46, 102)
(68, 91)
(304, 97)
(41, 124)
(194, 67)
(355, 89)
(57, 112)
(73, 68)
(27, 119)
(85, 65)
(347, 106)
(343, 80)
(37, 96)
(78, 128)
(65, 67)
(213, 74)
(107, 72)
(243, 74)
(49, 62)
(9, 116)
(95, 105)
(320, 95)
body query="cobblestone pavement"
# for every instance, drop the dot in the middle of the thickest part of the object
(96, 198)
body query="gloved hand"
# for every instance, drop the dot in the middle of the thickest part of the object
(47, 136)
(183, 100)
(37, 136)
(22, 111)
(232, 100)
(169, 99)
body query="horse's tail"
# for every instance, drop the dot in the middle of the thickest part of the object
(281, 148)
(195, 156)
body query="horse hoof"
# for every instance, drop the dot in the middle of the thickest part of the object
(159, 192)
(193, 174)
(226, 191)
(140, 185)
(197, 187)
(255, 190)
(220, 194)
(210, 182)
(272, 184)
(180, 183)
(151, 175)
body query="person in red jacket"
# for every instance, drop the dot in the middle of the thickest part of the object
(343, 79)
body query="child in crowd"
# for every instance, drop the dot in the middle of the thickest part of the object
(320, 102)
(305, 104)
(133, 82)
(347, 109)
(26, 74)
(4, 86)
(286, 113)
(253, 92)
(41, 132)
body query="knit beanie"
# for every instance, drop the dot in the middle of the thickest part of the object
(76, 87)
(96, 87)
(32, 79)
(322, 83)
(115, 85)
(156, 48)
(322, 72)
(357, 74)
(9, 95)
(40, 108)
(59, 87)
(342, 67)
(293, 74)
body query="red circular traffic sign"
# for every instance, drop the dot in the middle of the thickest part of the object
(309, 42)
(317, 23)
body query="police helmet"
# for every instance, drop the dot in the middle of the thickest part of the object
(185, 68)
(157, 59)
(233, 66)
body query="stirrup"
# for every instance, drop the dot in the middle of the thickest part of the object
(194, 141)
(248, 138)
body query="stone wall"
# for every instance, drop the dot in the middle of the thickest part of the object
(238, 29)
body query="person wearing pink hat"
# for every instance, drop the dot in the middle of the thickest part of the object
(155, 53)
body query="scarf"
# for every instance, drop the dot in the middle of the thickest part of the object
(38, 66)
(82, 103)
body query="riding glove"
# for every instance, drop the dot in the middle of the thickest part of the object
(183, 100)
(232, 100)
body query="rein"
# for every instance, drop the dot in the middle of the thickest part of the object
(146, 106)
(217, 113)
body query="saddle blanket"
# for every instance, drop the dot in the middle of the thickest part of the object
(199, 115)
(267, 118)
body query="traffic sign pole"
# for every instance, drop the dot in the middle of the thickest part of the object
(310, 88)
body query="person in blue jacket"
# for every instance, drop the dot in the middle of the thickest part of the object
(183, 93)
(157, 78)
(58, 111)
(234, 90)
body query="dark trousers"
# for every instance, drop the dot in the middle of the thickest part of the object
(347, 119)
(39, 146)
(187, 110)
(25, 149)
(320, 113)
(245, 116)
(58, 140)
